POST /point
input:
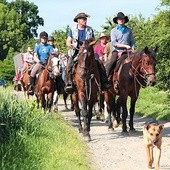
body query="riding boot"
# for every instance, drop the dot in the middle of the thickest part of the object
(31, 88)
(69, 84)
(103, 77)
(111, 65)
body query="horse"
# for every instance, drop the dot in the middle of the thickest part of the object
(60, 85)
(136, 70)
(25, 81)
(87, 86)
(45, 83)
(59, 89)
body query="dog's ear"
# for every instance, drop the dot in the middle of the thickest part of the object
(147, 127)
(161, 127)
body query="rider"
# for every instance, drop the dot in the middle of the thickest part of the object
(41, 55)
(100, 48)
(28, 59)
(81, 32)
(121, 38)
(51, 41)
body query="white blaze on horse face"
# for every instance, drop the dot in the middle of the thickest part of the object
(55, 67)
(85, 51)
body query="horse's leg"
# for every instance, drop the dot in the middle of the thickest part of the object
(55, 102)
(84, 112)
(72, 103)
(123, 103)
(118, 109)
(49, 100)
(132, 111)
(77, 110)
(89, 116)
(65, 95)
(42, 99)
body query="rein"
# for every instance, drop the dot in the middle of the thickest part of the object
(88, 80)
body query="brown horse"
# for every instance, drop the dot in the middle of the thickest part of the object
(136, 70)
(87, 86)
(25, 81)
(45, 83)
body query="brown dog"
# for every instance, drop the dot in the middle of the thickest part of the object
(152, 134)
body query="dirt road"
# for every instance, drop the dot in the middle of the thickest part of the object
(112, 151)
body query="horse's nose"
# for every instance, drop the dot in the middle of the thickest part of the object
(151, 80)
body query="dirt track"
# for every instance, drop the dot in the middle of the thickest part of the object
(112, 151)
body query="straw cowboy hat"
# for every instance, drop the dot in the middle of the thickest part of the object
(29, 49)
(103, 35)
(120, 15)
(81, 15)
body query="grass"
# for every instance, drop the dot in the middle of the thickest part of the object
(154, 103)
(33, 140)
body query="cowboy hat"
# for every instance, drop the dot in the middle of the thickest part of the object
(103, 35)
(29, 49)
(81, 15)
(120, 15)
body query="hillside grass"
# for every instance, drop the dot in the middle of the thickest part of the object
(33, 140)
(154, 103)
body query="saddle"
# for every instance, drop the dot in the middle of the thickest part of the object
(120, 59)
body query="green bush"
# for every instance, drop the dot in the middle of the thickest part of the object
(33, 140)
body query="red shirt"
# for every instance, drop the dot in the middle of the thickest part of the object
(98, 49)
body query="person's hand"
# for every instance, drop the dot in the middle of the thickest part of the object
(127, 47)
(72, 46)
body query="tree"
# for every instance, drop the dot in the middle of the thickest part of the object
(29, 16)
(11, 30)
(60, 37)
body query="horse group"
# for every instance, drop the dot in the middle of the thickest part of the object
(135, 70)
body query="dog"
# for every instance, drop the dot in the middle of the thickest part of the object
(152, 134)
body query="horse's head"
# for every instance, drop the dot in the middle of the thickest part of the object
(86, 57)
(148, 63)
(53, 65)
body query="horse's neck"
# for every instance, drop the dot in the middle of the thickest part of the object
(135, 61)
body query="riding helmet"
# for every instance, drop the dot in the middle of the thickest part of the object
(43, 35)
(51, 38)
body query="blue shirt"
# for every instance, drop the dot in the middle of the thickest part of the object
(43, 51)
(81, 34)
(122, 37)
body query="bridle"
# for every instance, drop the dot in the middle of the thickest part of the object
(143, 75)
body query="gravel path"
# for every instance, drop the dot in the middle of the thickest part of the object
(112, 151)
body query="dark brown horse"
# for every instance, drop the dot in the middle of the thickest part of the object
(87, 86)
(136, 70)
(45, 83)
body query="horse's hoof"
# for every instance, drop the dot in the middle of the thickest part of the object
(87, 138)
(110, 129)
(132, 130)
(115, 124)
(124, 133)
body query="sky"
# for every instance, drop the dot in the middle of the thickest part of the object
(57, 14)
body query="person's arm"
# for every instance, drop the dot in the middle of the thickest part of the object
(69, 40)
(36, 59)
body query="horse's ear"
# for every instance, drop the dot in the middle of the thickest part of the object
(156, 49)
(93, 43)
(146, 50)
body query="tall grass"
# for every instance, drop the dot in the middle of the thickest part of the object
(34, 140)
(154, 103)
